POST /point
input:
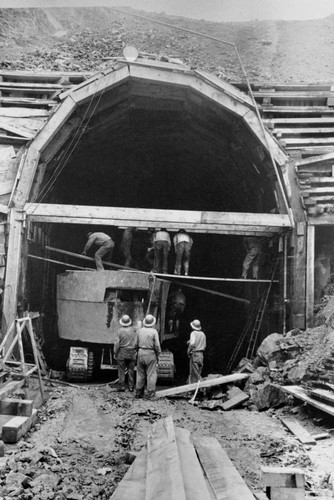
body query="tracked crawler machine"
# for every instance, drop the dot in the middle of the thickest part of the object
(89, 306)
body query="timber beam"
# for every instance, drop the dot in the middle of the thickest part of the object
(193, 221)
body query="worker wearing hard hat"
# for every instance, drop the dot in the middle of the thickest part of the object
(161, 244)
(196, 348)
(182, 244)
(125, 352)
(105, 247)
(149, 350)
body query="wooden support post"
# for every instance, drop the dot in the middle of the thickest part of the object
(34, 349)
(12, 268)
(310, 274)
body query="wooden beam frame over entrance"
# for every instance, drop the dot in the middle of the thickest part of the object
(143, 218)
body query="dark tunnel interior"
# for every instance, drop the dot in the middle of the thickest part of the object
(184, 154)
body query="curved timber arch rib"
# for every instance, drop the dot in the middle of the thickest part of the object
(96, 95)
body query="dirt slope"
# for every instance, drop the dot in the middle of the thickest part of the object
(79, 39)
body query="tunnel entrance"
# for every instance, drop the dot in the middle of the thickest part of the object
(164, 147)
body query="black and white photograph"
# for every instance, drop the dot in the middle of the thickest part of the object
(166, 249)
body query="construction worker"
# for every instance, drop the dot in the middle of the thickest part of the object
(182, 244)
(161, 245)
(126, 245)
(125, 351)
(105, 246)
(196, 348)
(254, 257)
(149, 350)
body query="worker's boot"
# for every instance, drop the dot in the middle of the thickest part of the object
(150, 395)
(139, 393)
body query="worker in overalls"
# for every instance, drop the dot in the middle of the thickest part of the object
(126, 245)
(149, 350)
(183, 243)
(161, 245)
(196, 348)
(105, 248)
(254, 258)
(125, 351)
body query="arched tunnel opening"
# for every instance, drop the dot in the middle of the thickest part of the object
(164, 148)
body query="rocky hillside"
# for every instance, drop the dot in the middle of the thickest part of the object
(81, 40)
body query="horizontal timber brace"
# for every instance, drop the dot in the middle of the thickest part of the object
(193, 221)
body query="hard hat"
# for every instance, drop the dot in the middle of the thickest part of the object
(196, 324)
(125, 320)
(149, 320)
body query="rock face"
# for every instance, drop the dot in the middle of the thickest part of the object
(299, 357)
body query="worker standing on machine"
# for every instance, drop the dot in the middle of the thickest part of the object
(149, 351)
(196, 348)
(125, 352)
(182, 244)
(161, 245)
(105, 248)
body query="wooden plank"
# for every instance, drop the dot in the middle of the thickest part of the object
(225, 379)
(235, 401)
(283, 477)
(321, 180)
(300, 110)
(16, 427)
(17, 407)
(13, 268)
(25, 86)
(18, 101)
(294, 95)
(323, 395)
(225, 480)
(132, 216)
(164, 479)
(133, 484)
(297, 121)
(310, 256)
(303, 130)
(194, 482)
(301, 434)
(303, 141)
(23, 112)
(45, 76)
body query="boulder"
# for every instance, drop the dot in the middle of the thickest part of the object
(297, 373)
(270, 349)
(267, 396)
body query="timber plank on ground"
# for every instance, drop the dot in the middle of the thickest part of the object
(323, 395)
(16, 407)
(10, 387)
(300, 393)
(164, 479)
(133, 484)
(16, 427)
(300, 432)
(181, 389)
(194, 482)
(225, 480)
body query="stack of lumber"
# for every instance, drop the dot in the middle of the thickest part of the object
(319, 398)
(300, 116)
(171, 467)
